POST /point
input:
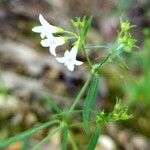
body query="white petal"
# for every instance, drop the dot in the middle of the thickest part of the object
(53, 50)
(37, 29)
(60, 59)
(60, 40)
(66, 54)
(45, 43)
(50, 28)
(74, 51)
(43, 21)
(42, 35)
(70, 67)
(78, 62)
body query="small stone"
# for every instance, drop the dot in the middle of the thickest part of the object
(106, 143)
(140, 143)
(30, 119)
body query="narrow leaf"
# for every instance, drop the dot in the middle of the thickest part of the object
(94, 138)
(25, 134)
(64, 137)
(72, 141)
(87, 27)
(90, 100)
(25, 143)
(51, 103)
(47, 138)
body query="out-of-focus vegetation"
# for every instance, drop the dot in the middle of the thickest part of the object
(28, 73)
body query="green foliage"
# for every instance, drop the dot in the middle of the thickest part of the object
(90, 100)
(25, 144)
(44, 140)
(123, 42)
(51, 103)
(27, 133)
(139, 92)
(82, 26)
(94, 138)
(125, 38)
(64, 137)
(119, 112)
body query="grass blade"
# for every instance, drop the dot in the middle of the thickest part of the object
(94, 138)
(90, 100)
(25, 134)
(25, 143)
(87, 26)
(47, 138)
(72, 141)
(65, 137)
(51, 103)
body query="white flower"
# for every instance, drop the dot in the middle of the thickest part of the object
(69, 58)
(45, 29)
(53, 42)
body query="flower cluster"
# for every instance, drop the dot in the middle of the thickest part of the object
(49, 39)
(124, 37)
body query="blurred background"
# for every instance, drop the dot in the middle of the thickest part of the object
(28, 72)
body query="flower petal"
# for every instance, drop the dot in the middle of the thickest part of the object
(43, 21)
(45, 43)
(70, 67)
(60, 59)
(50, 28)
(37, 29)
(78, 63)
(42, 35)
(74, 51)
(60, 40)
(66, 54)
(53, 49)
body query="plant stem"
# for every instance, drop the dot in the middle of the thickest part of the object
(47, 138)
(96, 47)
(103, 62)
(80, 93)
(25, 143)
(69, 32)
(74, 146)
(87, 57)
(27, 133)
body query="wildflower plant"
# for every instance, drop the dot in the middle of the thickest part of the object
(53, 37)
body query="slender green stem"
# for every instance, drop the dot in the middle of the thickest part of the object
(87, 57)
(103, 62)
(80, 125)
(80, 93)
(47, 138)
(27, 133)
(96, 47)
(69, 32)
(66, 112)
(74, 146)
(25, 143)
(71, 37)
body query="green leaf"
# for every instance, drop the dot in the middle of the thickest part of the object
(87, 27)
(90, 100)
(94, 138)
(25, 143)
(25, 134)
(72, 141)
(47, 138)
(64, 137)
(51, 103)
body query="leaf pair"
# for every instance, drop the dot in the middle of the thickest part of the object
(25, 134)
(90, 101)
